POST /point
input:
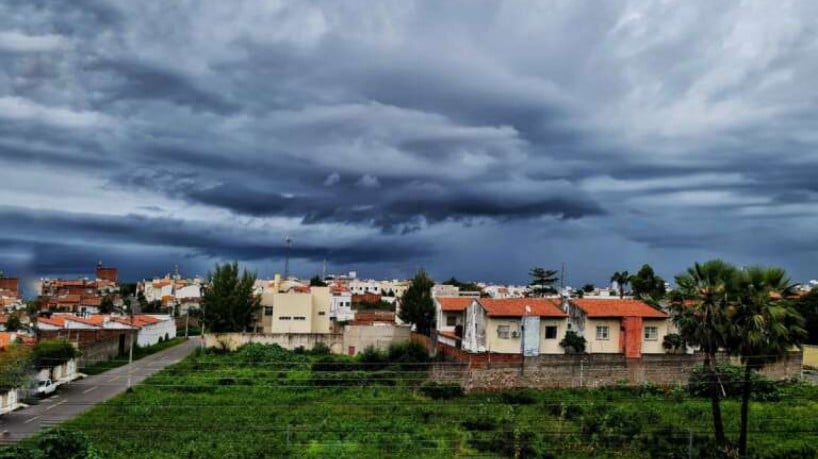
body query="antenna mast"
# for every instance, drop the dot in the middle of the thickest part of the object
(289, 242)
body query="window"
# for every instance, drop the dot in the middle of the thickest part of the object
(451, 321)
(299, 318)
(268, 310)
(651, 333)
(550, 332)
(284, 318)
(602, 333)
(321, 313)
(503, 331)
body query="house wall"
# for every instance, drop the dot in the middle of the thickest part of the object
(552, 346)
(494, 343)
(609, 346)
(292, 305)
(359, 337)
(8, 401)
(444, 315)
(320, 310)
(655, 347)
(150, 334)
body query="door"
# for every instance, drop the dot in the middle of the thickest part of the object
(531, 336)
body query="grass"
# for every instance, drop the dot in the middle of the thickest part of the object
(138, 353)
(263, 401)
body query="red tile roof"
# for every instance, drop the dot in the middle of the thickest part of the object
(516, 307)
(454, 303)
(615, 307)
(138, 321)
(55, 321)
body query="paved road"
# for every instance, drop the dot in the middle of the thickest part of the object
(78, 396)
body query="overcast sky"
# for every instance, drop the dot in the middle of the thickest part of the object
(475, 139)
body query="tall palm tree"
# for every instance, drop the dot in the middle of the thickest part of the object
(701, 315)
(765, 327)
(621, 278)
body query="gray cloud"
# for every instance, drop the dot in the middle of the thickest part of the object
(410, 134)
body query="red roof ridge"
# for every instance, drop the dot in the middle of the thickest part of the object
(519, 307)
(616, 307)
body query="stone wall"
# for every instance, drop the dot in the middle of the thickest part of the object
(291, 341)
(590, 370)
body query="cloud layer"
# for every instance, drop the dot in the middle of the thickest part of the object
(473, 141)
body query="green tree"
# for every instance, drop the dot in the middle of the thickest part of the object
(315, 281)
(588, 288)
(701, 316)
(53, 352)
(646, 285)
(106, 306)
(13, 323)
(807, 306)
(621, 278)
(764, 327)
(417, 306)
(228, 299)
(542, 281)
(15, 367)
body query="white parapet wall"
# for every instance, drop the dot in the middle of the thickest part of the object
(291, 341)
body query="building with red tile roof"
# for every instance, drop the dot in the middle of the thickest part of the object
(501, 325)
(612, 325)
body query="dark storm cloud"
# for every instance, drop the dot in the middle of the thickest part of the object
(140, 80)
(170, 130)
(214, 241)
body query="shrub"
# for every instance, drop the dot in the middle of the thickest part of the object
(50, 353)
(65, 444)
(732, 379)
(519, 397)
(673, 342)
(373, 359)
(573, 343)
(441, 391)
(320, 349)
(409, 356)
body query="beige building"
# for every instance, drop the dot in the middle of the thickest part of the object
(613, 325)
(302, 310)
(531, 326)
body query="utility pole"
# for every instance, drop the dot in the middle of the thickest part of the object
(288, 241)
(130, 351)
(562, 278)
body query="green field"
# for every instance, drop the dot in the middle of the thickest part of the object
(267, 402)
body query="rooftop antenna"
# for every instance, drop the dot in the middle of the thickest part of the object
(289, 242)
(562, 278)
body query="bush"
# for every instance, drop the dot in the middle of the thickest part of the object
(409, 356)
(373, 359)
(732, 379)
(519, 397)
(320, 349)
(573, 343)
(51, 353)
(441, 391)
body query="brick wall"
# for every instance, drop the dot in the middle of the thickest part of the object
(591, 370)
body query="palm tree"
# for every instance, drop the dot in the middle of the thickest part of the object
(701, 315)
(621, 278)
(765, 326)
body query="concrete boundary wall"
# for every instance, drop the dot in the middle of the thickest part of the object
(290, 341)
(590, 370)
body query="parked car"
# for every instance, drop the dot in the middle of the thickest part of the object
(45, 387)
